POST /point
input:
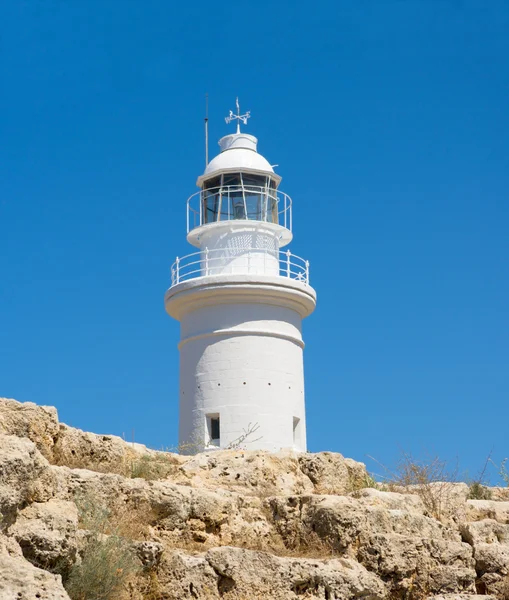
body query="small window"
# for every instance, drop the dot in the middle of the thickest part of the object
(213, 429)
(296, 432)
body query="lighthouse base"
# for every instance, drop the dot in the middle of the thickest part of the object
(241, 362)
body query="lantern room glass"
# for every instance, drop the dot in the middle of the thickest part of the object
(240, 196)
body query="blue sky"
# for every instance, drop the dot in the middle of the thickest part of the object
(389, 121)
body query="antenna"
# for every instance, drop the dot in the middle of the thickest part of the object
(238, 117)
(206, 129)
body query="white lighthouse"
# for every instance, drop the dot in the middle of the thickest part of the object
(240, 301)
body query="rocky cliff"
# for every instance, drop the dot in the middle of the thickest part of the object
(91, 517)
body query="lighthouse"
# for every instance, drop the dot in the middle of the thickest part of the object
(240, 298)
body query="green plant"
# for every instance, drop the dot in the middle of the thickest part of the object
(105, 565)
(357, 484)
(107, 561)
(478, 491)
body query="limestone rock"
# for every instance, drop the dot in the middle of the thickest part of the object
(19, 580)
(257, 575)
(26, 419)
(76, 448)
(424, 564)
(462, 597)
(25, 476)
(47, 534)
(487, 509)
(255, 472)
(390, 500)
(149, 553)
(487, 531)
(331, 473)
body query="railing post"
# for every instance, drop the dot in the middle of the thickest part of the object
(307, 272)
(202, 197)
(177, 269)
(288, 254)
(206, 261)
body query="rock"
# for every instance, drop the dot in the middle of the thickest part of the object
(390, 500)
(19, 580)
(487, 509)
(76, 448)
(343, 523)
(258, 575)
(461, 597)
(149, 553)
(47, 534)
(186, 577)
(26, 419)
(487, 531)
(331, 473)
(492, 558)
(254, 472)
(25, 476)
(422, 565)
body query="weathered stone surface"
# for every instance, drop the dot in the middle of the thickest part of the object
(331, 473)
(149, 553)
(253, 472)
(47, 534)
(106, 453)
(431, 565)
(26, 419)
(487, 531)
(258, 575)
(25, 476)
(19, 580)
(476, 510)
(343, 523)
(234, 525)
(462, 597)
(390, 500)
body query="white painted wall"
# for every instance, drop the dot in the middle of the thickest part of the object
(250, 248)
(245, 363)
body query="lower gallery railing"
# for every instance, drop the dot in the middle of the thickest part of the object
(240, 261)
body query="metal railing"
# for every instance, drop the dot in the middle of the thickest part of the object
(247, 261)
(232, 202)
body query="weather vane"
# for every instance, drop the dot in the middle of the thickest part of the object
(238, 117)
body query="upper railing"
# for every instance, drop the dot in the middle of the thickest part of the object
(232, 202)
(247, 261)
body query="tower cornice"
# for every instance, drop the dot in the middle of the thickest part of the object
(190, 295)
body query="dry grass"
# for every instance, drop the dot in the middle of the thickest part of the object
(431, 479)
(132, 465)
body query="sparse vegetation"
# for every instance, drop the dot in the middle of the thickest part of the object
(361, 483)
(107, 560)
(151, 467)
(478, 491)
(431, 479)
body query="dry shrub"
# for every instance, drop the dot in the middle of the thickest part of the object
(431, 479)
(107, 560)
(108, 566)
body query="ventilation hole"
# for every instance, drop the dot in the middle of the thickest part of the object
(218, 384)
(270, 383)
(244, 383)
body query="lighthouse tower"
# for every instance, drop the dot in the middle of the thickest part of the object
(240, 300)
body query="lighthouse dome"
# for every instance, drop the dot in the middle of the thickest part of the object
(238, 153)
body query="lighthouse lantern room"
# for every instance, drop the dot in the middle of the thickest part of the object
(240, 301)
